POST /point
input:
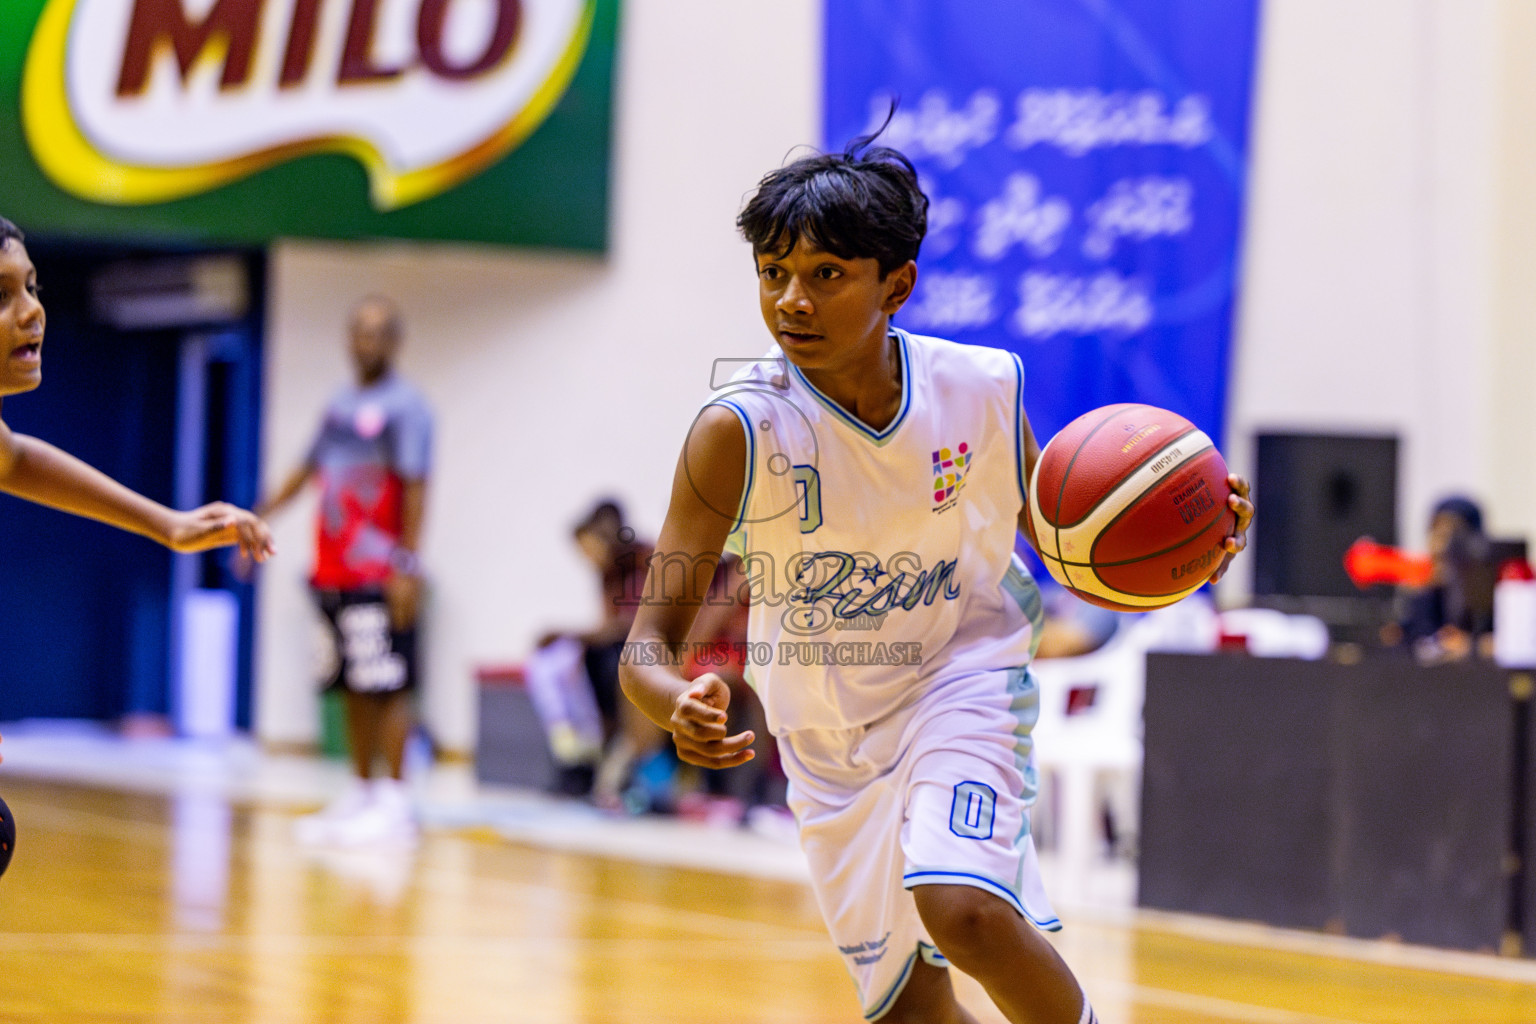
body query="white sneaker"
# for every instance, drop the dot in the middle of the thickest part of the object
(387, 819)
(317, 828)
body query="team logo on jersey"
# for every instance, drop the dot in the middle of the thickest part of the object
(370, 421)
(950, 467)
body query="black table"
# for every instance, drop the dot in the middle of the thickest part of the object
(1373, 799)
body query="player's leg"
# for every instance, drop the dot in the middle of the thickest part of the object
(394, 730)
(970, 861)
(379, 722)
(391, 798)
(361, 722)
(846, 789)
(928, 998)
(394, 699)
(365, 727)
(986, 938)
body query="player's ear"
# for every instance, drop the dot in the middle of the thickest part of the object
(898, 287)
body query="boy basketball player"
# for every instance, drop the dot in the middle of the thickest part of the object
(908, 749)
(39, 472)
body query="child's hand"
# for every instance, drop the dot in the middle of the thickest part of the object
(1239, 503)
(218, 525)
(698, 726)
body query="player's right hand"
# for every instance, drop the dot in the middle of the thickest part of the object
(698, 726)
(219, 524)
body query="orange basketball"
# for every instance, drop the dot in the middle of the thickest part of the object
(1128, 507)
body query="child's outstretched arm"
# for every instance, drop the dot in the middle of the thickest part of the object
(706, 491)
(37, 471)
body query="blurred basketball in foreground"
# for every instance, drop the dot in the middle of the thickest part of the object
(7, 836)
(1128, 507)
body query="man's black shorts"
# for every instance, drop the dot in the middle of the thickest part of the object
(372, 656)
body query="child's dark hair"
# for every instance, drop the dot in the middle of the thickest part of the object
(864, 202)
(9, 231)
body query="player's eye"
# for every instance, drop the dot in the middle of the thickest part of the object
(828, 273)
(770, 272)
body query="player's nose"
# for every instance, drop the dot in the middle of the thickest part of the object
(31, 315)
(795, 298)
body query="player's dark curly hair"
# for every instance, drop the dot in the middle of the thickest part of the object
(864, 202)
(9, 231)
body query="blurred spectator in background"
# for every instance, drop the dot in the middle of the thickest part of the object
(1073, 627)
(1444, 619)
(371, 456)
(596, 738)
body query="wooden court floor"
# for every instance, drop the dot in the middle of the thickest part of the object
(129, 908)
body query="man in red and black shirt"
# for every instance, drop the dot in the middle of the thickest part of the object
(372, 457)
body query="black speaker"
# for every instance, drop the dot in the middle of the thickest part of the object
(1318, 493)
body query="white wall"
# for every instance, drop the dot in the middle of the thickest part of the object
(556, 378)
(1389, 285)
(1511, 441)
(1370, 294)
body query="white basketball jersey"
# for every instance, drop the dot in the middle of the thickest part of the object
(881, 562)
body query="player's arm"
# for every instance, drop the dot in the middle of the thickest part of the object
(1031, 456)
(39, 472)
(291, 486)
(706, 491)
(403, 589)
(411, 457)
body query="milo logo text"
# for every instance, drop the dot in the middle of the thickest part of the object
(226, 35)
(147, 101)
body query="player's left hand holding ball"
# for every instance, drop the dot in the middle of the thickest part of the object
(1239, 503)
(219, 524)
(698, 726)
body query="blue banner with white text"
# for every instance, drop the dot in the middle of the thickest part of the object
(1085, 162)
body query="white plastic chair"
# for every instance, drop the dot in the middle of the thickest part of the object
(1099, 749)
(1101, 743)
(1274, 634)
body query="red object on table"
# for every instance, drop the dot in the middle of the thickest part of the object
(1368, 562)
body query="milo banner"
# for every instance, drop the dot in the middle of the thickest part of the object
(242, 120)
(1085, 160)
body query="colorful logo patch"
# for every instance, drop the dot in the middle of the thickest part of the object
(949, 470)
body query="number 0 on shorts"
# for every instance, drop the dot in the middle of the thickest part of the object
(971, 813)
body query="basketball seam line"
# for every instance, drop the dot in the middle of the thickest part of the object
(1066, 474)
(1138, 558)
(1095, 566)
(1132, 504)
(1149, 457)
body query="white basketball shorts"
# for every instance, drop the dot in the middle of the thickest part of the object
(938, 793)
